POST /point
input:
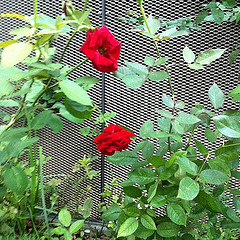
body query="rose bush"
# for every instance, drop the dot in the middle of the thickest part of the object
(114, 138)
(102, 49)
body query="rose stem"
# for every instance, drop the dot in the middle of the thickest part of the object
(77, 66)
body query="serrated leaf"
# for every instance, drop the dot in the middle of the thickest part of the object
(74, 92)
(168, 229)
(202, 149)
(167, 100)
(196, 66)
(227, 125)
(210, 135)
(137, 68)
(128, 227)
(133, 192)
(187, 165)
(209, 56)
(216, 96)
(218, 15)
(201, 16)
(213, 176)
(186, 118)
(160, 61)
(188, 189)
(142, 176)
(148, 222)
(112, 213)
(15, 53)
(149, 61)
(229, 3)
(133, 81)
(146, 128)
(177, 214)
(233, 55)
(122, 71)
(123, 158)
(158, 76)
(188, 55)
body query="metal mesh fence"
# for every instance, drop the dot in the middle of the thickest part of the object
(133, 106)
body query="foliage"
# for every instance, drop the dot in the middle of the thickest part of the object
(177, 174)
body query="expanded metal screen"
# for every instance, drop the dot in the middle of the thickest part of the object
(133, 106)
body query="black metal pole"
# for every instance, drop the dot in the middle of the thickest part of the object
(103, 106)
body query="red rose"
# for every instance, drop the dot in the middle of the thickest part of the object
(102, 49)
(114, 138)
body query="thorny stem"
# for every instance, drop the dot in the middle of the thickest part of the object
(166, 69)
(205, 161)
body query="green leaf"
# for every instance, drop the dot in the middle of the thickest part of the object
(15, 53)
(177, 214)
(219, 165)
(112, 213)
(58, 231)
(158, 76)
(16, 180)
(167, 100)
(69, 116)
(202, 149)
(133, 192)
(210, 135)
(213, 176)
(180, 104)
(165, 114)
(146, 128)
(137, 68)
(146, 147)
(41, 120)
(165, 173)
(123, 158)
(236, 201)
(201, 16)
(168, 229)
(227, 125)
(153, 24)
(64, 217)
(209, 56)
(148, 222)
(122, 71)
(188, 189)
(149, 61)
(152, 191)
(216, 96)
(7, 43)
(187, 165)
(232, 215)
(142, 232)
(76, 226)
(196, 66)
(229, 3)
(186, 118)
(188, 55)
(174, 157)
(131, 210)
(218, 15)
(76, 93)
(164, 124)
(233, 55)
(160, 61)
(158, 201)
(142, 176)
(134, 81)
(157, 161)
(78, 110)
(128, 227)
(55, 123)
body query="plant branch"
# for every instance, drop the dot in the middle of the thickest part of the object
(85, 5)
(77, 66)
(66, 46)
(101, 114)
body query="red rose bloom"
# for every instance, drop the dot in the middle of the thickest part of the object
(102, 49)
(114, 138)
